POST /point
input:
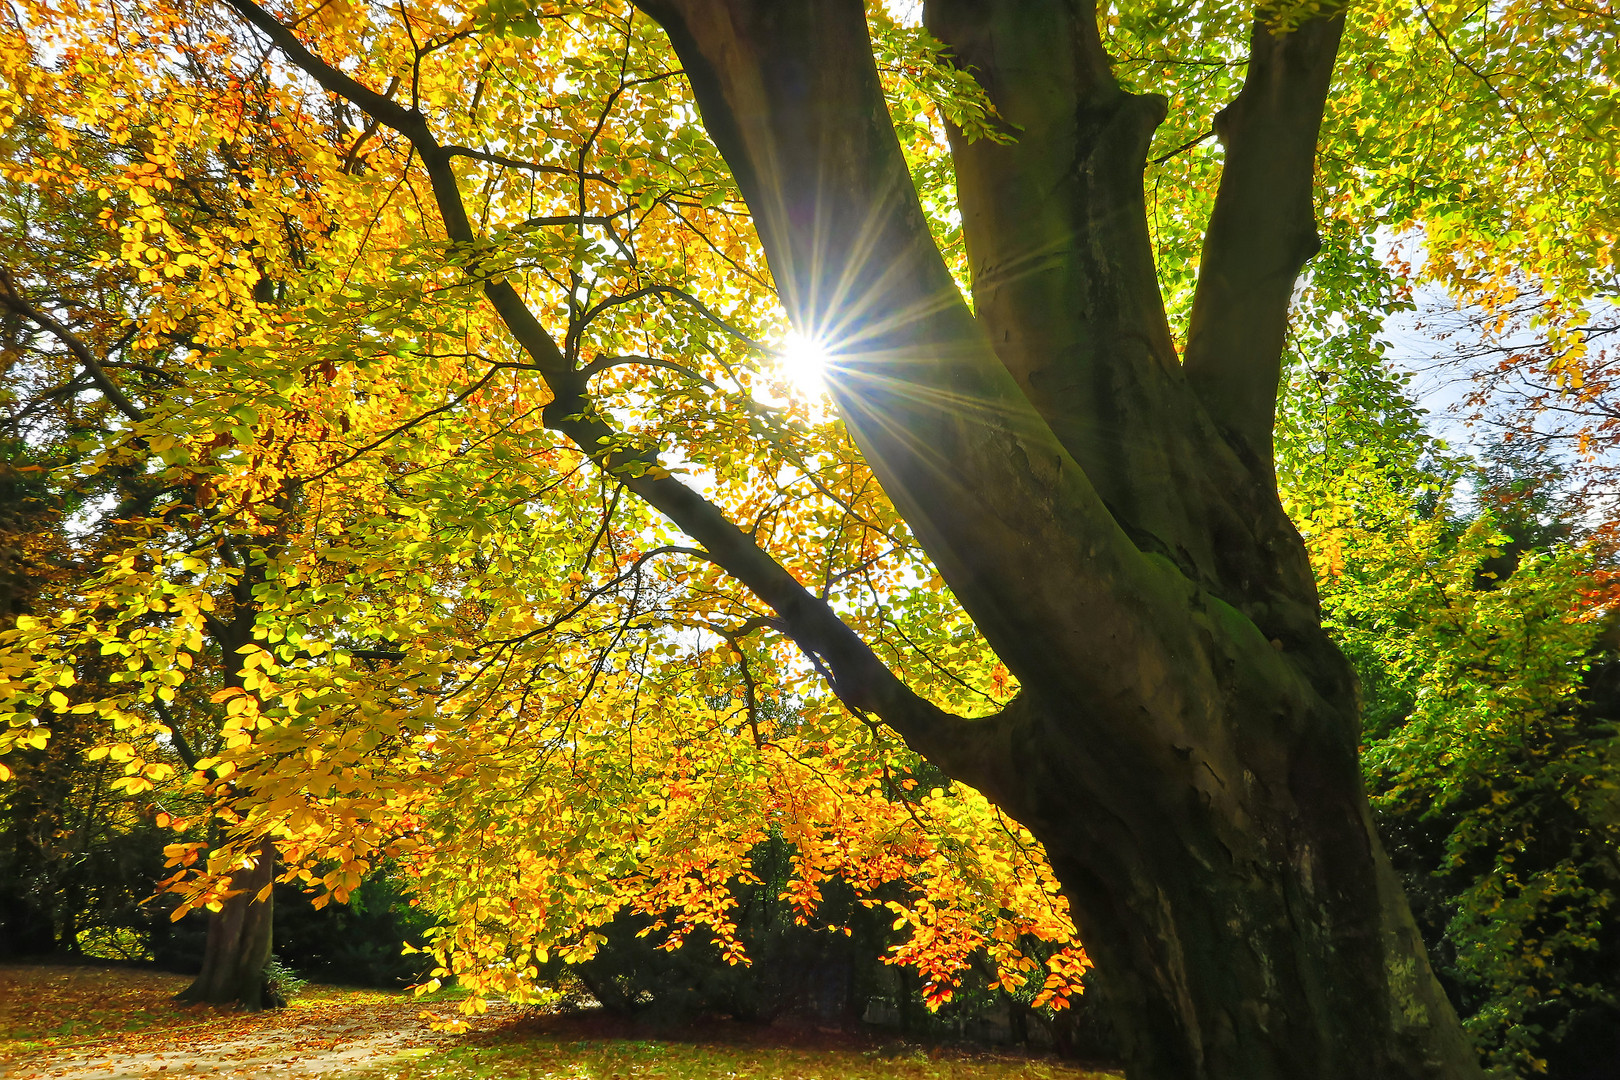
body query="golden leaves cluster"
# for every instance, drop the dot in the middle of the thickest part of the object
(386, 611)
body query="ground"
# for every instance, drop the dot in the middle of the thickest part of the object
(112, 1023)
(100, 1023)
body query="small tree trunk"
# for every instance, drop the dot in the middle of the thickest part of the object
(239, 940)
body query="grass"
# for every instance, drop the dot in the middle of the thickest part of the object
(520, 1052)
(619, 1060)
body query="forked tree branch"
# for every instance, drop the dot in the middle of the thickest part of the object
(1055, 220)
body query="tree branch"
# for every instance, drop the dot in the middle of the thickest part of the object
(602, 363)
(82, 352)
(569, 219)
(181, 746)
(509, 162)
(708, 313)
(1188, 145)
(1062, 261)
(1261, 232)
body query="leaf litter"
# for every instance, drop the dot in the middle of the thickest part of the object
(94, 1023)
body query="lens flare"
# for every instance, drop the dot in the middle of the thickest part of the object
(803, 361)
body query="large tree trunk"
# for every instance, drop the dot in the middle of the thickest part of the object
(1244, 919)
(239, 941)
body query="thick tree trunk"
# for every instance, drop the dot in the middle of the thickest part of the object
(239, 941)
(1243, 917)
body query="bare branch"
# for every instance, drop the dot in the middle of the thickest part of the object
(525, 166)
(82, 352)
(602, 363)
(1188, 145)
(569, 219)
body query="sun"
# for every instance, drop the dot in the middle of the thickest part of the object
(803, 362)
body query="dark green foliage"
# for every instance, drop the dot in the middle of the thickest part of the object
(1470, 604)
(177, 945)
(817, 972)
(793, 967)
(1511, 864)
(355, 944)
(76, 862)
(1491, 762)
(1498, 785)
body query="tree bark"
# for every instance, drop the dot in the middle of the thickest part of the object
(239, 941)
(241, 933)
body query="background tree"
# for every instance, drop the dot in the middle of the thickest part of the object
(77, 850)
(105, 162)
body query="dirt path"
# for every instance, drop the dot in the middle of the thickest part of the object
(330, 1033)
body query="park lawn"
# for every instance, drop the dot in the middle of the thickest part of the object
(52, 1015)
(519, 1052)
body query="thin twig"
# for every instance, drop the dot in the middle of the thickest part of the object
(1188, 145)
